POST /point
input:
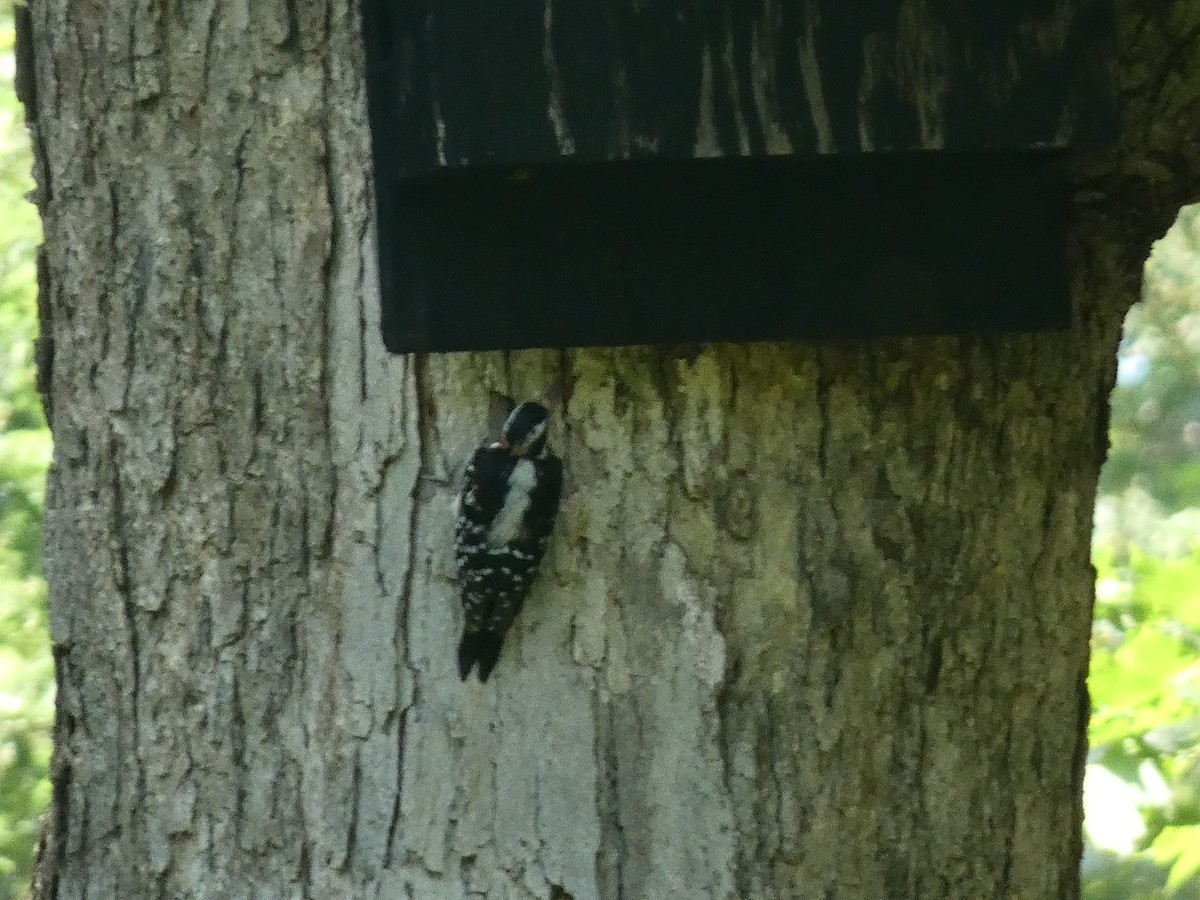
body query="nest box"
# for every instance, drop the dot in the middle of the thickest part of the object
(598, 172)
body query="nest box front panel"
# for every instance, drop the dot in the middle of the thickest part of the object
(612, 172)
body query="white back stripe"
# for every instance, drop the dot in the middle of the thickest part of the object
(506, 527)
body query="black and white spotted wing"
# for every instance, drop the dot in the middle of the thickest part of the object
(506, 512)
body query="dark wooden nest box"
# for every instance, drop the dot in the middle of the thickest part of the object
(595, 172)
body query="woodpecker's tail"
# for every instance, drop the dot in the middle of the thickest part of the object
(482, 648)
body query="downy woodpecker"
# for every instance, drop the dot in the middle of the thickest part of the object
(506, 511)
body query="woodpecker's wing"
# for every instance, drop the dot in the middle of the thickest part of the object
(499, 554)
(481, 498)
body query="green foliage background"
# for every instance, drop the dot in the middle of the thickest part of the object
(1146, 648)
(26, 670)
(1145, 671)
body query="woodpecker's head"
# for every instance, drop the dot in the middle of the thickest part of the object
(524, 434)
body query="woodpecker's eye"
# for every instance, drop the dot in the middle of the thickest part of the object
(530, 439)
(525, 426)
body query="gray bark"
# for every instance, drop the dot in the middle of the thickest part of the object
(814, 624)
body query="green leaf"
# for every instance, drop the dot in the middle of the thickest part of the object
(1179, 847)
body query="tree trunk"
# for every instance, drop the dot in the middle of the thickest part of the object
(814, 623)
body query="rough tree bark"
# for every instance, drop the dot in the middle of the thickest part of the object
(815, 623)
